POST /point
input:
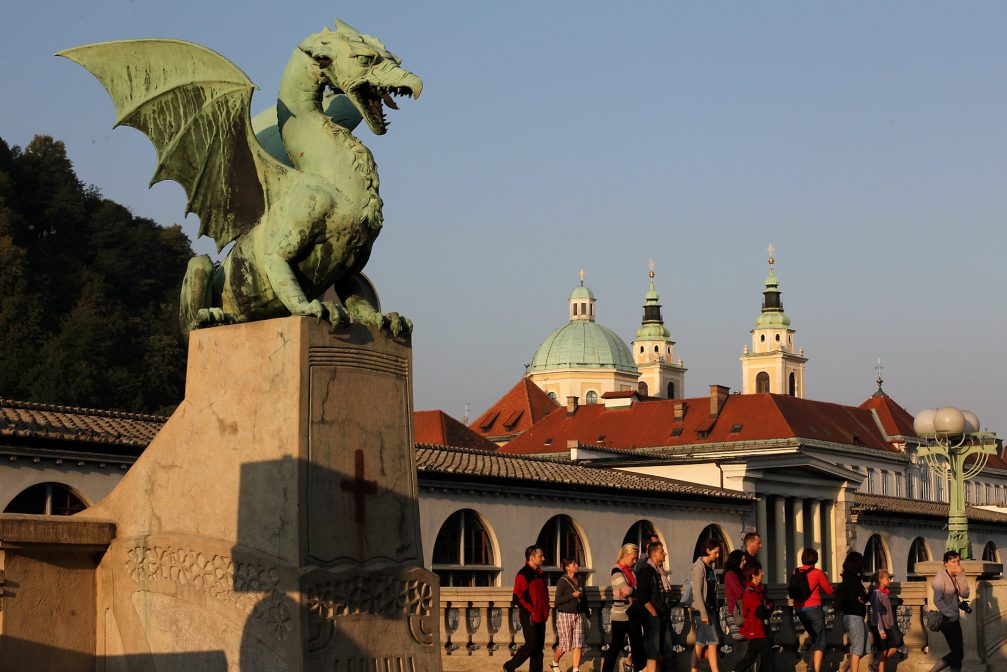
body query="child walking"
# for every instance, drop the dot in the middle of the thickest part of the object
(884, 629)
(755, 609)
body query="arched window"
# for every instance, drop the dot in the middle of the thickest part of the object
(463, 552)
(50, 499)
(762, 338)
(671, 390)
(875, 557)
(777, 338)
(793, 384)
(762, 383)
(559, 539)
(592, 397)
(552, 395)
(917, 553)
(641, 349)
(990, 552)
(640, 534)
(643, 389)
(712, 532)
(575, 309)
(657, 348)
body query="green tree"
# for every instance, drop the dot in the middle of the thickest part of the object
(88, 292)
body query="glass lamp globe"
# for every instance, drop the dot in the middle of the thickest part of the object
(924, 422)
(971, 422)
(949, 420)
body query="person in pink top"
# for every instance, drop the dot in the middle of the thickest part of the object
(808, 601)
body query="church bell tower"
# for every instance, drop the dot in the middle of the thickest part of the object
(654, 351)
(771, 364)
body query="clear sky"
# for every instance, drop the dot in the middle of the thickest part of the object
(865, 140)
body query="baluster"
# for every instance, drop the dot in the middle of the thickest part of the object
(478, 636)
(494, 621)
(451, 622)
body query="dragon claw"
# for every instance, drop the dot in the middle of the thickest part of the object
(398, 325)
(335, 314)
(206, 317)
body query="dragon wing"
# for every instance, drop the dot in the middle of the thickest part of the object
(193, 104)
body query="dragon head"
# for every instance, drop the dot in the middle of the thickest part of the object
(360, 66)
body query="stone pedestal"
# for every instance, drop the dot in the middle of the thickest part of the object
(975, 659)
(273, 522)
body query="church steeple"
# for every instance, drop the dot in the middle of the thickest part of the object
(582, 301)
(652, 327)
(771, 365)
(654, 351)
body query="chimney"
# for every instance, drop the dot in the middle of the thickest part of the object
(679, 411)
(718, 395)
(571, 405)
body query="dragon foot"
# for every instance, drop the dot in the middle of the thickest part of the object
(206, 317)
(364, 313)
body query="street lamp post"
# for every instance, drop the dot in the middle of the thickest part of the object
(956, 451)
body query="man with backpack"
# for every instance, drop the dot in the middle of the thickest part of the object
(531, 596)
(806, 586)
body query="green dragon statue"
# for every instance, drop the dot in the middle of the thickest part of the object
(298, 230)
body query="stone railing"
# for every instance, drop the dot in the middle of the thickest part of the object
(479, 631)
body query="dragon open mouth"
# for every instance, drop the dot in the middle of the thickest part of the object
(371, 101)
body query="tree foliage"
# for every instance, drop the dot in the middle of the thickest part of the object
(88, 292)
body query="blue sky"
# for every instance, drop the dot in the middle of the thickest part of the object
(864, 140)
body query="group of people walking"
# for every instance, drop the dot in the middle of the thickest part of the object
(642, 601)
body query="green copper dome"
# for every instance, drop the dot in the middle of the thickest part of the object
(582, 344)
(581, 292)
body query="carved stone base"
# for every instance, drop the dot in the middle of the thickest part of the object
(273, 522)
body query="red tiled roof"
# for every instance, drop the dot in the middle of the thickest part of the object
(621, 394)
(29, 420)
(750, 417)
(513, 413)
(497, 469)
(896, 420)
(439, 428)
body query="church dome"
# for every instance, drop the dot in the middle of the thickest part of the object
(582, 344)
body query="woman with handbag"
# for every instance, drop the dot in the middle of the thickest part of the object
(627, 612)
(571, 605)
(951, 589)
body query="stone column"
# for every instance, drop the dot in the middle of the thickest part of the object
(800, 530)
(815, 511)
(762, 527)
(780, 538)
(832, 543)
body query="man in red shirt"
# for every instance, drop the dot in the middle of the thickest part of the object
(531, 596)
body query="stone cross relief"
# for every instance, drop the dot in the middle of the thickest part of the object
(359, 487)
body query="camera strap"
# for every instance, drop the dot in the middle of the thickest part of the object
(954, 582)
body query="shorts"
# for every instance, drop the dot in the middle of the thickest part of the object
(707, 634)
(813, 619)
(655, 637)
(570, 629)
(856, 632)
